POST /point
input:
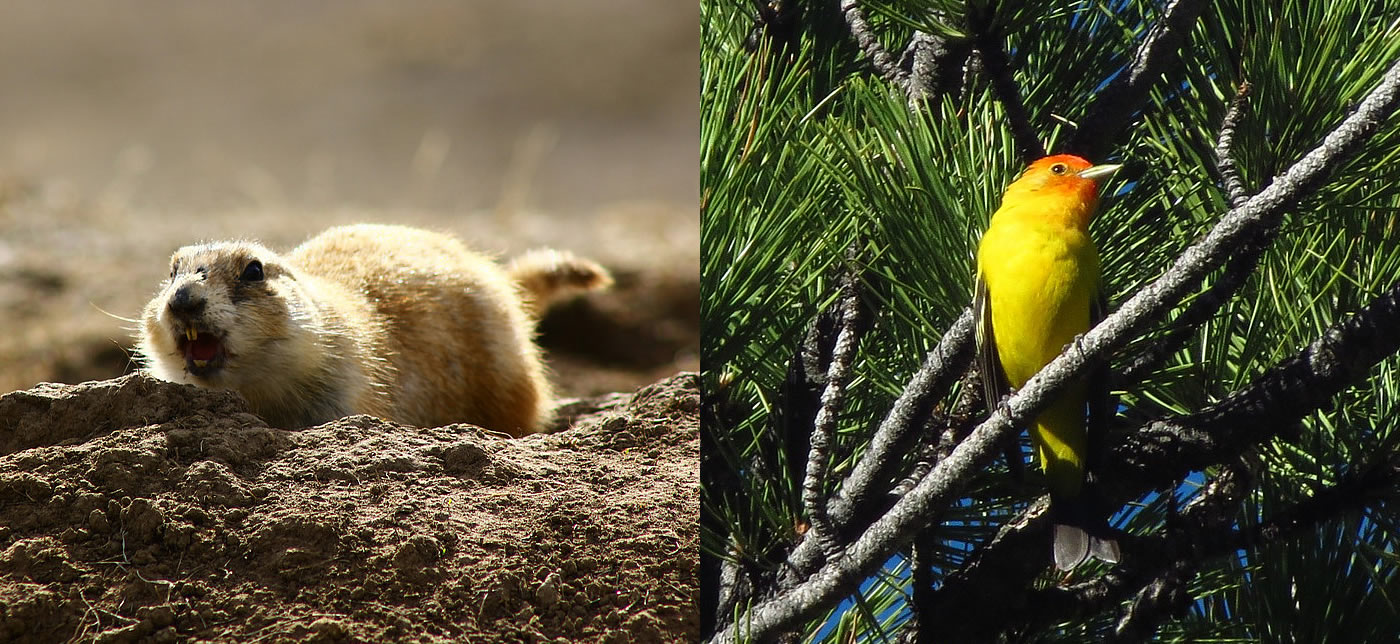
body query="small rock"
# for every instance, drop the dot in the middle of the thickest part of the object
(97, 522)
(420, 551)
(328, 630)
(162, 616)
(548, 592)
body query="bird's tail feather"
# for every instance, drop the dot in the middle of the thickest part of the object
(1080, 534)
(1104, 549)
(1073, 545)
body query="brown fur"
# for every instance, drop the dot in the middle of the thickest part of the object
(548, 275)
(400, 323)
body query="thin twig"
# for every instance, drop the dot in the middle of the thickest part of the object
(1224, 148)
(884, 64)
(824, 427)
(1126, 93)
(998, 70)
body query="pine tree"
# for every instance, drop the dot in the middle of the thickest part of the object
(851, 153)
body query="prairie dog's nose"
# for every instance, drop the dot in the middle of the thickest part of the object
(188, 301)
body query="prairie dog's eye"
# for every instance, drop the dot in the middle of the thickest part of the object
(1059, 168)
(174, 269)
(253, 272)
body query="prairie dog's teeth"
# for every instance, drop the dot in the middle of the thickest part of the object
(191, 334)
(200, 363)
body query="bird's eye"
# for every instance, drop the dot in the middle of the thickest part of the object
(1059, 168)
(253, 272)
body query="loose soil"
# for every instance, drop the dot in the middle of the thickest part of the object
(139, 510)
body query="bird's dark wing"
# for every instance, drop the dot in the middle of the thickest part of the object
(1102, 404)
(994, 383)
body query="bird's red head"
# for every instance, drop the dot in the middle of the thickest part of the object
(1062, 183)
(1060, 172)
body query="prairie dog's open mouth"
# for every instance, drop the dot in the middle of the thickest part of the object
(204, 352)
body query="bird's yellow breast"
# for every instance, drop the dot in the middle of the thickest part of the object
(1041, 279)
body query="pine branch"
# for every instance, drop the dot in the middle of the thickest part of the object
(1353, 493)
(721, 483)
(778, 21)
(1205, 531)
(930, 65)
(876, 464)
(1164, 594)
(995, 65)
(1224, 148)
(1282, 395)
(852, 326)
(880, 58)
(897, 526)
(800, 396)
(1117, 104)
(933, 66)
(1154, 573)
(921, 582)
(732, 589)
(1004, 569)
(913, 405)
(1237, 269)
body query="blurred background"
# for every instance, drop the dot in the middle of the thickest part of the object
(128, 130)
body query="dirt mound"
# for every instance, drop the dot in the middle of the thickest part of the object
(138, 510)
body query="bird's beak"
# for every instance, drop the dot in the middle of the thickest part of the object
(1099, 171)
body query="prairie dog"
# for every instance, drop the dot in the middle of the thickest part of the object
(401, 323)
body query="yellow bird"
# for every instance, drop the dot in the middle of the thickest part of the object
(1037, 289)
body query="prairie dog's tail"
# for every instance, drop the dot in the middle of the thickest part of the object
(546, 276)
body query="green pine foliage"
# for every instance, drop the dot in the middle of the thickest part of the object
(812, 167)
